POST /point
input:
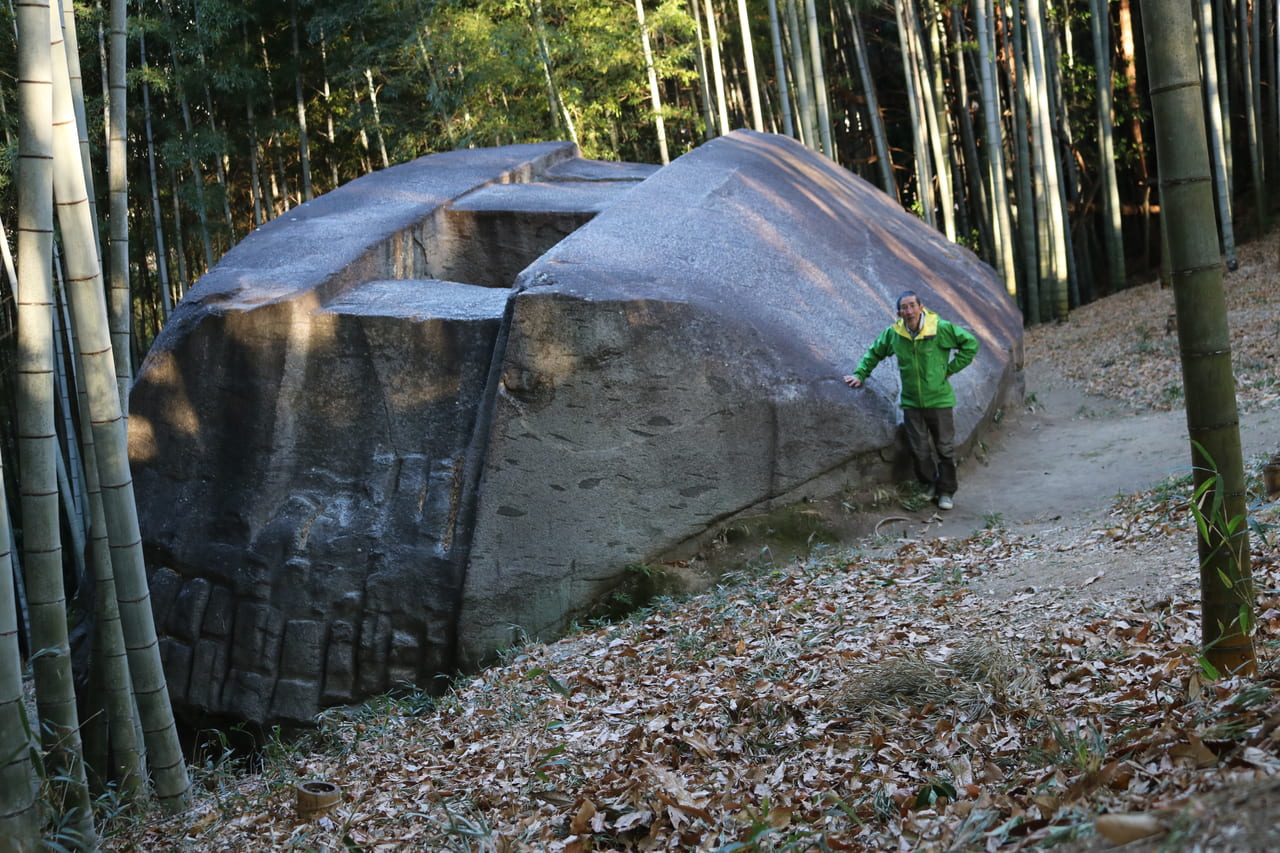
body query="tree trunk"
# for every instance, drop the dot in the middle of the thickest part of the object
(820, 96)
(89, 314)
(277, 200)
(1112, 226)
(780, 69)
(18, 812)
(1204, 337)
(1053, 239)
(162, 258)
(219, 158)
(704, 85)
(930, 77)
(558, 110)
(40, 40)
(1272, 65)
(803, 82)
(655, 98)
(980, 202)
(1252, 98)
(1068, 177)
(70, 465)
(1127, 50)
(300, 105)
(4, 111)
(109, 691)
(108, 426)
(738, 99)
(1022, 163)
(717, 70)
(1002, 219)
(197, 176)
(1034, 86)
(72, 51)
(377, 118)
(261, 205)
(179, 243)
(1217, 139)
(119, 301)
(261, 208)
(334, 180)
(1221, 30)
(883, 153)
(110, 664)
(916, 107)
(749, 61)
(109, 678)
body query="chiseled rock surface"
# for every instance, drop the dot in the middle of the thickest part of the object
(368, 448)
(679, 361)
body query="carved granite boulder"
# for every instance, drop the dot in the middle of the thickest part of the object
(444, 406)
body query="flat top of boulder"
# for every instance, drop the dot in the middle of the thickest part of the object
(578, 169)
(545, 197)
(425, 299)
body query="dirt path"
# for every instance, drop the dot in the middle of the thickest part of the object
(1050, 474)
(1066, 458)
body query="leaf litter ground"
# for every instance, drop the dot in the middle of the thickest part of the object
(1030, 682)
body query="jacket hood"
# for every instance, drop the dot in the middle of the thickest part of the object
(928, 326)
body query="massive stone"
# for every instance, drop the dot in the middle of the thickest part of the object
(444, 406)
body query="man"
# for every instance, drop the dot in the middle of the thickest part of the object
(929, 349)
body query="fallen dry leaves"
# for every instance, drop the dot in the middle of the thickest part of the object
(1124, 348)
(846, 702)
(856, 700)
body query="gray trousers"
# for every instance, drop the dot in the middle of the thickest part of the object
(931, 435)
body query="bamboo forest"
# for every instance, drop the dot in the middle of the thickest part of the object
(1022, 130)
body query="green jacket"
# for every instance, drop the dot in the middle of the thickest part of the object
(924, 361)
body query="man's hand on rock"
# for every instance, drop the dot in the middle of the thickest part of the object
(853, 382)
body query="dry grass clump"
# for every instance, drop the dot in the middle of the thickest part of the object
(978, 678)
(902, 681)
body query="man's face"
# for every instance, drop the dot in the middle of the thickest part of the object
(909, 309)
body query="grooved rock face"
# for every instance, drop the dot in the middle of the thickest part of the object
(446, 405)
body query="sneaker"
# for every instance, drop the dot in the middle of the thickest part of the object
(931, 493)
(945, 502)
